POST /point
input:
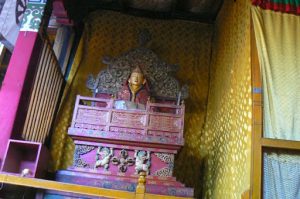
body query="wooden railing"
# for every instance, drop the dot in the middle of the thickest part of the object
(140, 192)
(44, 97)
(94, 115)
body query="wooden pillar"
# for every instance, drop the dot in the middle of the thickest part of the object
(141, 186)
(257, 122)
(18, 74)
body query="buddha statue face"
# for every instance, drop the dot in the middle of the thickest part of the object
(137, 78)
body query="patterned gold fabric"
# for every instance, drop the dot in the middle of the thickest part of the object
(176, 42)
(227, 132)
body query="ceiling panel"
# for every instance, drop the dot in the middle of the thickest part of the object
(195, 10)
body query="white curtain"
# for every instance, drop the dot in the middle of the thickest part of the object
(281, 176)
(278, 43)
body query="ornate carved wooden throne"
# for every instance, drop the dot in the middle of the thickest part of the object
(112, 145)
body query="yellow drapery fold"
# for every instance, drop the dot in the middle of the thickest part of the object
(278, 44)
(227, 131)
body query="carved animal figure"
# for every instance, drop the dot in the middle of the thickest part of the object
(103, 157)
(142, 161)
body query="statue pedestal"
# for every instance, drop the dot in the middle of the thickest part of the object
(112, 146)
(154, 185)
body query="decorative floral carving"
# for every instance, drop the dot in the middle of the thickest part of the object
(33, 17)
(169, 160)
(79, 151)
(142, 161)
(165, 157)
(125, 136)
(103, 157)
(123, 161)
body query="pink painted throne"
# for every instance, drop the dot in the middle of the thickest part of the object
(113, 144)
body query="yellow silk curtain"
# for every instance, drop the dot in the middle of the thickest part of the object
(227, 131)
(278, 42)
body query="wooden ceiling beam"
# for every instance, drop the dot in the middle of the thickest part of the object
(79, 9)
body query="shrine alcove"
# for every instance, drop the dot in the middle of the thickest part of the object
(195, 56)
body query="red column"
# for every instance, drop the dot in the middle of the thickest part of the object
(14, 84)
(19, 75)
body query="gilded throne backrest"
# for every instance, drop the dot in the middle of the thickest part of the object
(159, 74)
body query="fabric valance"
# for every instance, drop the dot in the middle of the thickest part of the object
(285, 6)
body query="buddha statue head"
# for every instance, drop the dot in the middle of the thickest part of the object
(136, 79)
(135, 89)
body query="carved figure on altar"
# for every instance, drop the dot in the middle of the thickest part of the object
(130, 86)
(135, 91)
(103, 157)
(142, 161)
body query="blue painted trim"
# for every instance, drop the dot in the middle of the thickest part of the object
(66, 40)
(73, 53)
(257, 90)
